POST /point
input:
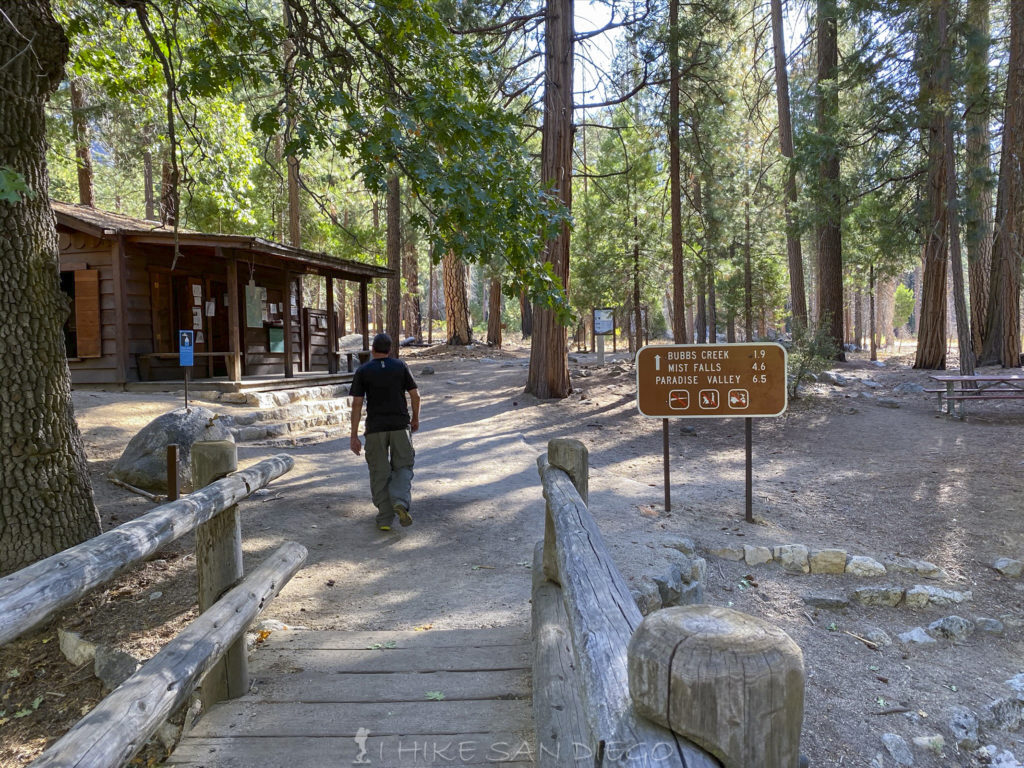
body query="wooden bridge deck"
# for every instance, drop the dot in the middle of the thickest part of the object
(409, 699)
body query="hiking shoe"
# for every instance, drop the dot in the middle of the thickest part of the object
(403, 515)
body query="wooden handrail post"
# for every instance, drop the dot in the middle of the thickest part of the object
(731, 683)
(172, 472)
(219, 566)
(572, 457)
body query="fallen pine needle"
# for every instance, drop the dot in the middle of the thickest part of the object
(892, 711)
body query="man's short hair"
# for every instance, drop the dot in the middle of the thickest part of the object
(381, 343)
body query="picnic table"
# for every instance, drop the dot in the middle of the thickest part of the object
(991, 386)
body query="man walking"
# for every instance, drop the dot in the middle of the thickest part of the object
(383, 382)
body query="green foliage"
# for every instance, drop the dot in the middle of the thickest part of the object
(812, 352)
(904, 306)
(13, 187)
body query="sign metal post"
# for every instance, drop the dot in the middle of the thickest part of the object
(705, 381)
(186, 356)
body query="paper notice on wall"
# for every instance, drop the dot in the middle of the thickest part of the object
(211, 308)
(200, 337)
(197, 318)
(197, 290)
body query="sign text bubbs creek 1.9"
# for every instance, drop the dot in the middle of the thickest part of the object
(711, 381)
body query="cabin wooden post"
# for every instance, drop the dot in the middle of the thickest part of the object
(234, 322)
(364, 314)
(219, 566)
(332, 329)
(731, 683)
(120, 309)
(288, 370)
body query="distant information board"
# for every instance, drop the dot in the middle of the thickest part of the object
(711, 380)
(604, 322)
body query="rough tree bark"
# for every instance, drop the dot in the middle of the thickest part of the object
(675, 183)
(931, 336)
(978, 186)
(456, 305)
(797, 293)
(829, 230)
(549, 349)
(394, 255)
(1002, 326)
(525, 316)
(46, 502)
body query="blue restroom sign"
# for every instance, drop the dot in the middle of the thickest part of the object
(186, 349)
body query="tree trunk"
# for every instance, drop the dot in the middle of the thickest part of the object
(525, 316)
(873, 313)
(931, 337)
(494, 313)
(456, 306)
(675, 183)
(963, 325)
(83, 151)
(748, 273)
(394, 256)
(147, 180)
(701, 317)
(712, 303)
(1002, 327)
(829, 232)
(637, 320)
(797, 293)
(858, 320)
(549, 355)
(46, 502)
(411, 299)
(978, 187)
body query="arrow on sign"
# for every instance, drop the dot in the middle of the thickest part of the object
(657, 362)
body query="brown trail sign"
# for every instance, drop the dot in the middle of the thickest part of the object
(704, 381)
(711, 381)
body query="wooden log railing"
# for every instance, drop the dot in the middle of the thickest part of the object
(211, 650)
(34, 594)
(590, 637)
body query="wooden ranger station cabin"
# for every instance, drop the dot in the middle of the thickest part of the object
(242, 296)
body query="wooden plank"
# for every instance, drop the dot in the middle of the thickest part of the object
(434, 638)
(602, 616)
(246, 717)
(234, 363)
(559, 720)
(120, 725)
(87, 313)
(34, 594)
(401, 660)
(315, 685)
(472, 750)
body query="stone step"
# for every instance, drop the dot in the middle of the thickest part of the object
(317, 426)
(276, 398)
(293, 412)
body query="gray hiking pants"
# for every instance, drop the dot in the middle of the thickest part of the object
(390, 456)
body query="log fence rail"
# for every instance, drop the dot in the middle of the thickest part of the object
(210, 651)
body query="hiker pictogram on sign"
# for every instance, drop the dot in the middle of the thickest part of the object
(678, 399)
(708, 398)
(739, 399)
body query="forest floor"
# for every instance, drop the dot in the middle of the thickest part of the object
(838, 470)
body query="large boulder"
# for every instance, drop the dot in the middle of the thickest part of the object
(144, 461)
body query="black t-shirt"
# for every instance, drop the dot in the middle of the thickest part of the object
(383, 383)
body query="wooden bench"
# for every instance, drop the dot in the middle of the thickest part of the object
(960, 389)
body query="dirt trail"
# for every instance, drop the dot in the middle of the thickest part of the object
(838, 470)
